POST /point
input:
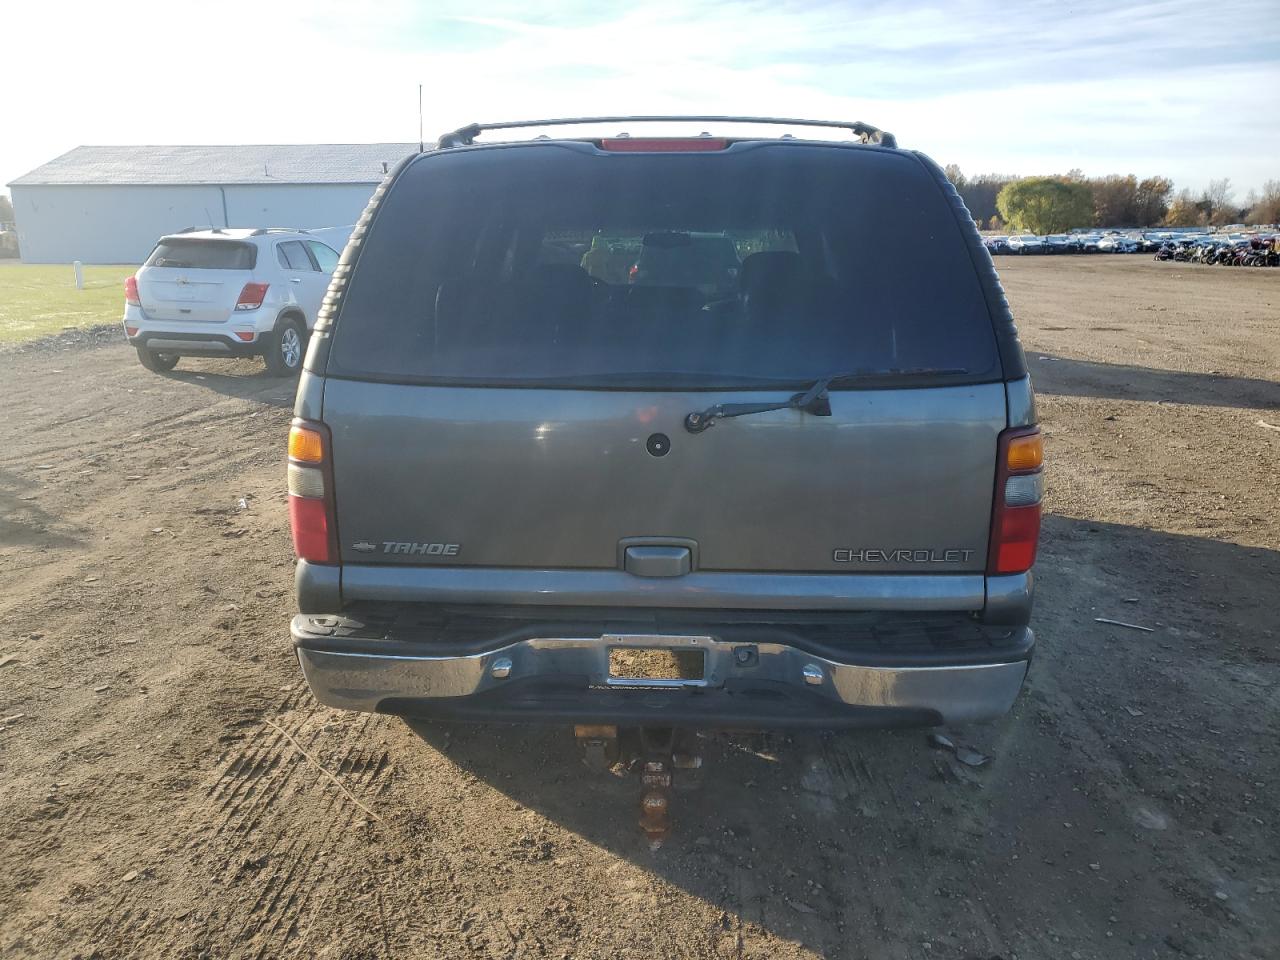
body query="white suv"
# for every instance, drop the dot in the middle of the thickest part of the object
(228, 292)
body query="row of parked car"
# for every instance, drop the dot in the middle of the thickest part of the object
(1075, 243)
(1115, 241)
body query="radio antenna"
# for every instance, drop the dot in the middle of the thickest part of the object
(420, 118)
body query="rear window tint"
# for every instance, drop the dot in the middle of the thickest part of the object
(293, 256)
(765, 263)
(204, 254)
(326, 256)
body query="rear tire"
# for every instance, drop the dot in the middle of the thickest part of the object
(157, 362)
(285, 349)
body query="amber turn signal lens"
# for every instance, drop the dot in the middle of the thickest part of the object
(1026, 453)
(308, 446)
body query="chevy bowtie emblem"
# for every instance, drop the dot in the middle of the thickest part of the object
(364, 546)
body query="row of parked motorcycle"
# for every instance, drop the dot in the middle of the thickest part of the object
(1243, 249)
(1256, 252)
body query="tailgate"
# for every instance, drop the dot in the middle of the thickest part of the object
(893, 481)
(195, 278)
(208, 296)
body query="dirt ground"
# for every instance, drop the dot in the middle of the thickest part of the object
(156, 800)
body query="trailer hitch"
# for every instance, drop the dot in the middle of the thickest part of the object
(656, 753)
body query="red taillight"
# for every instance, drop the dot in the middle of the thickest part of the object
(1015, 521)
(311, 512)
(251, 296)
(311, 534)
(633, 273)
(1014, 539)
(245, 335)
(131, 292)
(662, 144)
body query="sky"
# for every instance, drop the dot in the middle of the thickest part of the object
(1181, 89)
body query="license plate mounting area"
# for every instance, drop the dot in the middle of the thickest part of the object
(657, 661)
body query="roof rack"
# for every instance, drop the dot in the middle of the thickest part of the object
(261, 230)
(466, 136)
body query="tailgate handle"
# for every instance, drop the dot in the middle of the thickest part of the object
(658, 561)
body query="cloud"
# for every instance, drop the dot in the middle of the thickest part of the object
(1158, 87)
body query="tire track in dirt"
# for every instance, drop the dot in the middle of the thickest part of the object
(154, 429)
(338, 814)
(256, 839)
(257, 778)
(242, 821)
(845, 774)
(287, 888)
(238, 763)
(273, 915)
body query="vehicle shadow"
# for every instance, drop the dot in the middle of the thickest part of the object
(22, 521)
(810, 836)
(245, 379)
(767, 832)
(1085, 378)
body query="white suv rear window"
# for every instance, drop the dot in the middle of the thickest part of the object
(204, 254)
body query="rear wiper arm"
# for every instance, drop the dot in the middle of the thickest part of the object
(814, 400)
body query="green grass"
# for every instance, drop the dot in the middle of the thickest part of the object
(37, 299)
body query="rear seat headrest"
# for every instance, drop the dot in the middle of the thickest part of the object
(773, 268)
(567, 275)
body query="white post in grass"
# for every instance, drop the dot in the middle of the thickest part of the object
(78, 267)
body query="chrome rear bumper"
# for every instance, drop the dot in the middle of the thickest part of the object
(398, 683)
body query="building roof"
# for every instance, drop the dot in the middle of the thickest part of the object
(223, 164)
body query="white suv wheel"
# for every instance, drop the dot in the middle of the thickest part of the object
(285, 350)
(290, 347)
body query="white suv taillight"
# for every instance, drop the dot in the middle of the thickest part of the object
(1015, 520)
(131, 292)
(311, 493)
(251, 296)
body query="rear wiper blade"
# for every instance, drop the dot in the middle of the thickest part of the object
(814, 400)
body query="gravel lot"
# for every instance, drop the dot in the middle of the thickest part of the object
(157, 800)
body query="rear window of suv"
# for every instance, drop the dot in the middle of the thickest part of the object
(204, 254)
(558, 264)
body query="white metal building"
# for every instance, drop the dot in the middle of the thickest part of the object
(109, 204)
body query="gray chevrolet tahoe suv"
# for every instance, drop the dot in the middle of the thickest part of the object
(527, 487)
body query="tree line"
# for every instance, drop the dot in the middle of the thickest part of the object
(8, 239)
(1054, 204)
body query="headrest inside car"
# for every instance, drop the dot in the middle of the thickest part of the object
(774, 268)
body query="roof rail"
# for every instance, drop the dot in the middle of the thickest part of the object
(261, 230)
(465, 136)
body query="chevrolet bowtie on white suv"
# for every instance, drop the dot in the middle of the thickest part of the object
(229, 293)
